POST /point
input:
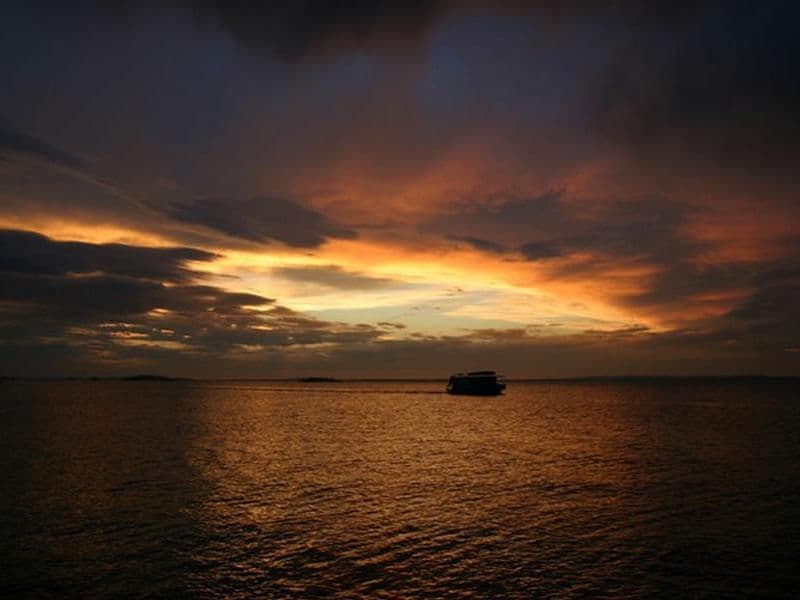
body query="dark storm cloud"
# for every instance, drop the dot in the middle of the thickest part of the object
(332, 276)
(25, 252)
(293, 30)
(300, 29)
(19, 145)
(723, 73)
(719, 74)
(723, 76)
(262, 220)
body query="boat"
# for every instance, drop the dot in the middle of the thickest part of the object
(475, 383)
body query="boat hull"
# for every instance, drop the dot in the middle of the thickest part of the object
(476, 393)
(473, 389)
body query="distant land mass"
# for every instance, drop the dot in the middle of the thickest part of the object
(146, 377)
(139, 377)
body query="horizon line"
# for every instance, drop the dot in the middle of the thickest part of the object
(146, 377)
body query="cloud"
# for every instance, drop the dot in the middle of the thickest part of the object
(519, 353)
(540, 250)
(28, 253)
(538, 336)
(19, 145)
(299, 29)
(772, 310)
(553, 225)
(721, 76)
(108, 301)
(625, 102)
(332, 276)
(261, 220)
(639, 253)
(97, 297)
(70, 317)
(480, 244)
(302, 30)
(492, 224)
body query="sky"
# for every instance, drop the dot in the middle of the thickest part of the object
(202, 188)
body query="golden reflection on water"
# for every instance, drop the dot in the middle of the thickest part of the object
(397, 489)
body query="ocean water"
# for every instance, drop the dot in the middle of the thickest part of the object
(241, 490)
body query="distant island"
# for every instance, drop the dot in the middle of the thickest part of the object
(146, 377)
(318, 379)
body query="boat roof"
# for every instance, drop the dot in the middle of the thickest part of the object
(477, 374)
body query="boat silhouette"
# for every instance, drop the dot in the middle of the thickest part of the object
(475, 383)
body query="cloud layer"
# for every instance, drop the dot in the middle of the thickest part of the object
(19, 145)
(262, 220)
(578, 189)
(109, 304)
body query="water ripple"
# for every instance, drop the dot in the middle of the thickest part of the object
(362, 490)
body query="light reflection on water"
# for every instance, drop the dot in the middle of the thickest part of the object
(387, 489)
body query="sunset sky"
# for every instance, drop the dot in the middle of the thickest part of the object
(399, 189)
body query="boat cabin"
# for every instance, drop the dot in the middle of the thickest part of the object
(475, 383)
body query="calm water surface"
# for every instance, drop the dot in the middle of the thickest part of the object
(395, 489)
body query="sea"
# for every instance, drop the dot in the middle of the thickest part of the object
(557, 489)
